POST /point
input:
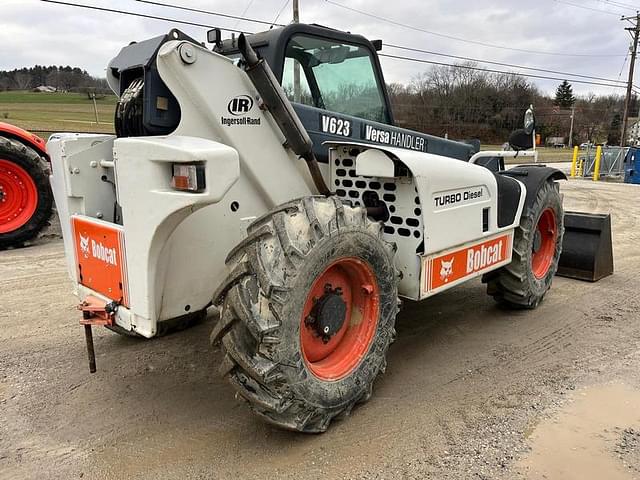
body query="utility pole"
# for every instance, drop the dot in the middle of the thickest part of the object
(635, 32)
(95, 107)
(573, 114)
(296, 66)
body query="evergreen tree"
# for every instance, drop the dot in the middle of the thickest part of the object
(564, 95)
(613, 136)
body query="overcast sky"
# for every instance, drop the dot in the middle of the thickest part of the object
(33, 32)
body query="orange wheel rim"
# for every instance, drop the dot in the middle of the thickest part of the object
(331, 348)
(18, 196)
(544, 244)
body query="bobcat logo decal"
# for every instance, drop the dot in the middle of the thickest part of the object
(446, 269)
(84, 246)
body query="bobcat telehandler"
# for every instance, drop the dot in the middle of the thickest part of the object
(212, 193)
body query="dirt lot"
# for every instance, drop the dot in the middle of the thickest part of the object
(471, 391)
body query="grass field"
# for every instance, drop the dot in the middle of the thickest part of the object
(44, 113)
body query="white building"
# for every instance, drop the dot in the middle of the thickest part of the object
(633, 131)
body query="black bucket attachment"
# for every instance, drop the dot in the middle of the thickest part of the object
(587, 253)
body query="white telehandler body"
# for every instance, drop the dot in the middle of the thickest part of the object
(211, 194)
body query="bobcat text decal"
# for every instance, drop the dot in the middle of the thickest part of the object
(97, 250)
(100, 257)
(445, 269)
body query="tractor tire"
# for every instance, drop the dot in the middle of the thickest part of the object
(537, 246)
(307, 312)
(25, 195)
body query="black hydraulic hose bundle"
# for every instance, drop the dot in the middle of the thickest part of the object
(275, 100)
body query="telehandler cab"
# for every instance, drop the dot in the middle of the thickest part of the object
(202, 199)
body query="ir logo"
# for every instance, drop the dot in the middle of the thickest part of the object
(240, 105)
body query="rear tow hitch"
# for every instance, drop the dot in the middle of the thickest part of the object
(95, 312)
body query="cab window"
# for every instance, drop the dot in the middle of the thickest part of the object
(333, 76)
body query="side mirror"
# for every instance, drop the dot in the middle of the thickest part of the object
(529, 121)
(215, 36)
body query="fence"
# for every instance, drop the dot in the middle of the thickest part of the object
(611, 162)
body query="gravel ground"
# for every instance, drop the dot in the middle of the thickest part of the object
(467, 393)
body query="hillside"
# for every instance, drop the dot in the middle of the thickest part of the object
(61, 78)
(44, 113)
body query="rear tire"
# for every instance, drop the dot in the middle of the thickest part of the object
(25, 195)
(537, 246)
(275, 356)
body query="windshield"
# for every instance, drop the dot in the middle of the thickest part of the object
(334, 76)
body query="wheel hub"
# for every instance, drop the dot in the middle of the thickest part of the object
(339, 318)
(328, 313)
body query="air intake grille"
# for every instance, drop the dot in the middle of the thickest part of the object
(399, 194)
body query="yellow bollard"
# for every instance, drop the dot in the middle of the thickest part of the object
(580, 167)
(596, 168)
(574, 161)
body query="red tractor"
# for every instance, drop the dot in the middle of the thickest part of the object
(25, 195)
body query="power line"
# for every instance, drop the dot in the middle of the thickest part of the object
(451, 37)
(624, 62)
(517, 74)
(284, 5)
(142, 15)
(167, 19)
(626, 6)
(179, 7)
(503, 64)
(599, 10)
(244, 12)
(206, 12)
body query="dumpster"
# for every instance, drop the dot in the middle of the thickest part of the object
(632, 166)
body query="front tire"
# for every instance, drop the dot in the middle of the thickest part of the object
(25, 195)
(537, 246)
(308, 312)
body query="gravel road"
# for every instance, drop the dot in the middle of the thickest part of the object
(471, 391)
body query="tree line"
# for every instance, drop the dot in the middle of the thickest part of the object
(62, 78)
(453, 101)
(459, 102)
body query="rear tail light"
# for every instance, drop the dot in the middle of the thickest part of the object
(188, 177)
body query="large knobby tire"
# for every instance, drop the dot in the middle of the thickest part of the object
(25, 195)
(309, 252)
(537, 246)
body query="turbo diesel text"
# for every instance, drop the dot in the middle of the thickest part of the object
(458, 197)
